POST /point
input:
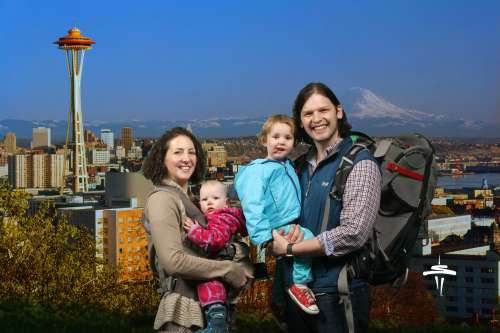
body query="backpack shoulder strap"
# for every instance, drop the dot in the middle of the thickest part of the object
(341, 175)
(344, 169)
(167, 282)
(300, 163)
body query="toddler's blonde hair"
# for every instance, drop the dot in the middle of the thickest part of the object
(268, 124)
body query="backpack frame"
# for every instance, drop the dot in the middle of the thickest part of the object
(386, 255)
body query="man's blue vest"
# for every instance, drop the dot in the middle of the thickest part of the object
(315, 188)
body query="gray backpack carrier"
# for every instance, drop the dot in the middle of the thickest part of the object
(165, 281)
(233, 251)
(408, 180)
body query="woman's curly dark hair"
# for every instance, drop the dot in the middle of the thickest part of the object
(301, 99)
(153, 166)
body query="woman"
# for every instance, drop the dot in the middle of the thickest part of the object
(322, 122)
(175, 160)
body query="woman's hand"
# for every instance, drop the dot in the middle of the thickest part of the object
(238, 277)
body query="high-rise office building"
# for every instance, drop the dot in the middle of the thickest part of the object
(41, 137)
(10, 143)
(127, 138)
(108, 138)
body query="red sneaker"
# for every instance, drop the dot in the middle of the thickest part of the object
(304, 298)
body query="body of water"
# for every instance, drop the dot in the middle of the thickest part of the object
(474, 180)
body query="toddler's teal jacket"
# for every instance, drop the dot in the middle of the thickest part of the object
(269, 192)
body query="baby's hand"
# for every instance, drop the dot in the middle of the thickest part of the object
(188, 224)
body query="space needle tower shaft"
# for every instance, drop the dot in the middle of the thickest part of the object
(75, 45)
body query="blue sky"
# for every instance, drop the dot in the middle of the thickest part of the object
(202, 59)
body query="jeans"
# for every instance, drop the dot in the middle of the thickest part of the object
(331, 317)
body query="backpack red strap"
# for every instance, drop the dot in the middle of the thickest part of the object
(404, 171)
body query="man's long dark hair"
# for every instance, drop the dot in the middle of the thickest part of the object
(306, 92)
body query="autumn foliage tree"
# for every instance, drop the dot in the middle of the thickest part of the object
(47, 261)
(411, 304)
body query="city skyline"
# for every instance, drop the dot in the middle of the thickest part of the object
(223, 59)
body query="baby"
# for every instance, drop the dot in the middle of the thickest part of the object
(223, 222)
(269, 192)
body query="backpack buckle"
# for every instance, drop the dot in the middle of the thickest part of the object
(345, 159)
(334, 194)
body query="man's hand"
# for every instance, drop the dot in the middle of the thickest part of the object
(279, 244)
(281, 241)
(295, 235)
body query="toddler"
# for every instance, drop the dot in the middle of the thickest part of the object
(269, 192)
(222, 223)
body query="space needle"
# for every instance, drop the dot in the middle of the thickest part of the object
(75, 45)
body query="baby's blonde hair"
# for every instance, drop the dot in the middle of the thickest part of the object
(268, 124)
(213, 182)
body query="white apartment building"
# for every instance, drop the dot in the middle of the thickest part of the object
(55, 164)
(18, 166)
(474, 289)
(39, 171)
(108, 138)
(483, 221)
(120, 152)
(99, 156)
(441, 227)
(36, 170)
(135, 152)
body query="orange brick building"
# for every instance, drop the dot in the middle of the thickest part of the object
(125, 244)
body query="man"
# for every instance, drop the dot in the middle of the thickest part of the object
(322, 122)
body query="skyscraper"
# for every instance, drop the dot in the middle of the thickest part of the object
(41, 137)
(108, 138)
(10, 143)
(127, 138)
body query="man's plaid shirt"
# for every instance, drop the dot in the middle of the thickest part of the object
(360, 204)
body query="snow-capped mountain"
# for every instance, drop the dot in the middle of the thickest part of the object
(367, 105)
(375, 115)
(366, 111)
